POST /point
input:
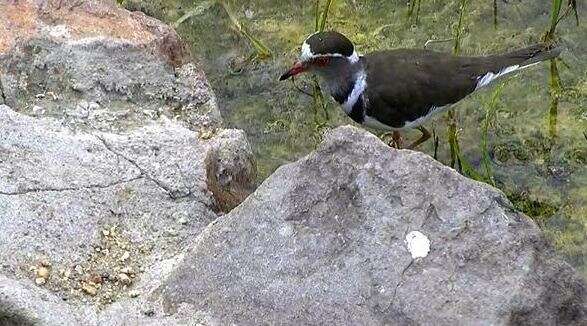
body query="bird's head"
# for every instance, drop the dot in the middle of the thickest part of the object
(323, 52)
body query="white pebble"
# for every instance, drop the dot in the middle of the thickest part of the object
(418, 244)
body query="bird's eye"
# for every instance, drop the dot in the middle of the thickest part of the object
(321, 61)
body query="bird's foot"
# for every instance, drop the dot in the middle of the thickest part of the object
(396, 140)
(425, 136)
(387, 137)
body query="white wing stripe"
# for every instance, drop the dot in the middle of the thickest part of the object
(486, 79)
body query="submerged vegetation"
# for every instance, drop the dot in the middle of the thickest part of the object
(555, 85)
(414, 11)
(527, 135)
(261, 50)
(453, 138)
(320, 105)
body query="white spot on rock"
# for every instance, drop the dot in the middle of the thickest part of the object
(286, 231)
(418, 244)
(58, 31)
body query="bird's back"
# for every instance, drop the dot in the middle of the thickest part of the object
(405, 85)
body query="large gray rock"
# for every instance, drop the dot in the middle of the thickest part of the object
(112, 160)
(84, 199)
(340, 237)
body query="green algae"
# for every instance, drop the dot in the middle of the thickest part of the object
(511, 136)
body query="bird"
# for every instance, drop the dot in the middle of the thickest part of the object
(400, 89)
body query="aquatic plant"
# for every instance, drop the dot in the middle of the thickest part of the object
(320, 105)
(414, 12)
(495, 14)
(322, 15)
(459, 28)
(490, 108)
(549, 37)
(196, 11)
(453, 141)
(555, 89)
(436, 143)
(261, 51)
(456, 158)
(556, 17)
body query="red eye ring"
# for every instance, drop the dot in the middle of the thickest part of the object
(322, 61)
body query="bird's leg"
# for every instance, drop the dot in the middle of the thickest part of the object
(425, 135)
(398, 141)
(385, 137)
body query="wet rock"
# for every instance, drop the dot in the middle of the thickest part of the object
(230, 169)
(358, 233)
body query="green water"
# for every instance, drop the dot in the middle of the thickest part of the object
(537, 155)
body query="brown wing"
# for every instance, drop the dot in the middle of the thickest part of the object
(404, 85)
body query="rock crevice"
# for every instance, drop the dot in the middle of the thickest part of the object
(144, 173)
(88, 187)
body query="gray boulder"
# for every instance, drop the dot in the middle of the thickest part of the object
(85, 205)
(358, 233)
(112, 159)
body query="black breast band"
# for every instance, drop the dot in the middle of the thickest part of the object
(358, 111)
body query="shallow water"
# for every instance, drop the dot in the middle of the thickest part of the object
(538, 158)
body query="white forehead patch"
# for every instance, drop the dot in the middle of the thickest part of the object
(307, 54)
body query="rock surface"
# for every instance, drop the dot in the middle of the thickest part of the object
(60, 187)
(81, 206)
(112, 160)
(22, 304)
(330, 239)
(98, 66)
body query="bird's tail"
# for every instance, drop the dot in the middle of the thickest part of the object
(504, 64)
(532, 55)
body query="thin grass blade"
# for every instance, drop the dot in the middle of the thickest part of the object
(263, 52)
(324, 15)
(197, 11)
